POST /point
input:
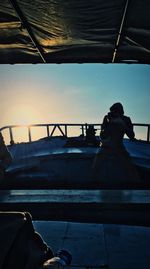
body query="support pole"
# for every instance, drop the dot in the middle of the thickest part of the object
(120, 31)
(26, 25)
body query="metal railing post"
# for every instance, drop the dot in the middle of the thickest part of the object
(82, 127)
(11, 136)
(47, 127)
(29, 134)
(66, 133)
(148, 133)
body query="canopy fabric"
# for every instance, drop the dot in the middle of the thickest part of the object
(74, 31)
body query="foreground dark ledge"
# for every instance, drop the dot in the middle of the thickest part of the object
(129, 207)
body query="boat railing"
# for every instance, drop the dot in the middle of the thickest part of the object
(63, 129)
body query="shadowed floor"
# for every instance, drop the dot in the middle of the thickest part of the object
(99, 245)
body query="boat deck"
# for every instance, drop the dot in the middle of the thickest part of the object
(95, 246)
(138, 150)
(48, 163)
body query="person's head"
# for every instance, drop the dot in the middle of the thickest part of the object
(117, 109)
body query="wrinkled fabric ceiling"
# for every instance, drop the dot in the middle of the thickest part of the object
(74, 31)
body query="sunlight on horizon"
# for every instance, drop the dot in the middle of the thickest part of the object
(23, 114)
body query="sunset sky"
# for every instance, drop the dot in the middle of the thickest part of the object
(72, 93)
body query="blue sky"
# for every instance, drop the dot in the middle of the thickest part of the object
(75, 93)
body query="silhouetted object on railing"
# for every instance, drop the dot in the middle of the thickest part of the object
(112, 164)
(91, 139)
(5, 158)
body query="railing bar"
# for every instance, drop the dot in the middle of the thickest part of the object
(52, 124)
(53, 130)
(60, 124)
(140, 124)
(65, 125)
(61, 130)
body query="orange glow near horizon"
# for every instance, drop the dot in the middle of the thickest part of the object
(22, 114)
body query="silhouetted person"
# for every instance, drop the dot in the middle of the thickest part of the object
(115, 125)
(5, 158)
(112, 166)
(91, 136)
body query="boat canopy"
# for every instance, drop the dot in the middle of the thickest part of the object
(71, 31)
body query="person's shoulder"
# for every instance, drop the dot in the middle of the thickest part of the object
(106, 116)
(126, 118)
(106, 119)
(1, 135)
(1, 138)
